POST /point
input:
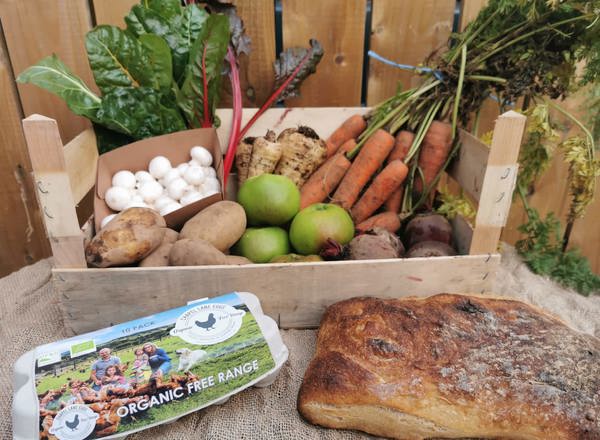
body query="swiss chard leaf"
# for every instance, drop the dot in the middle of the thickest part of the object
(117, 59)
(179, 31)
(165, 8)
(160, 61)
(51, 74)
(289, 60)
(215, 37)
(108, 140)
(240, 41)
(138, 112)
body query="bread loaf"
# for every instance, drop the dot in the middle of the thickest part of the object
(452, 366)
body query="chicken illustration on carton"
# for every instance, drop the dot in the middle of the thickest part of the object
(125, 378)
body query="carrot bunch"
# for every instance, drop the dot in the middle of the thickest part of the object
(366, 171)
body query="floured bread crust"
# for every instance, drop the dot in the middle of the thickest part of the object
(452, 366)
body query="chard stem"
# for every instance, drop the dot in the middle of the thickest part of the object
(236, 122)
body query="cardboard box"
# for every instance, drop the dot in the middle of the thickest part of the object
(136, 156)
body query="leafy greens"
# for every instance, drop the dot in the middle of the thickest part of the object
(150, 75)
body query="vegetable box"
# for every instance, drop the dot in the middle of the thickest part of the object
(295, 294)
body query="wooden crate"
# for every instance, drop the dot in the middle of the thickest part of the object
(294, 294)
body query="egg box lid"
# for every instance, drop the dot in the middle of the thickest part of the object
(137, 155)
(165, 366)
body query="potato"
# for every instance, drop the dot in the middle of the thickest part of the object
(187, 252)
(159, 257)
(171, 236)
(131, 236)
(237, 259)
(221, 224)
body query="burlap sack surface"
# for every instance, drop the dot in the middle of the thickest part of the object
(30, 316)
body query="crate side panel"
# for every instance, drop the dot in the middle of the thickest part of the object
(295, 294)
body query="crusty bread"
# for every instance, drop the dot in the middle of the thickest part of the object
(452, 366)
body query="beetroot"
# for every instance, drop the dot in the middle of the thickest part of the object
(428, 227)
(375, 244)
(430, 249)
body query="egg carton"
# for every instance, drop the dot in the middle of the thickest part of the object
(71, 410)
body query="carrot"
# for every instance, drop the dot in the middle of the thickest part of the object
(435, 149)
(402, 143)
(350, 129)
(383, 185)
(369, 159)
(349, 145)
(404, 140)
(394, 201)
(386, 220)
(324, 180)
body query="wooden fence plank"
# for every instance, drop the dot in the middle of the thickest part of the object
(256, 70)
(469, 10)
(34, 30)
(21, 227)
(339, 25)
(112, 11)
(406, 32)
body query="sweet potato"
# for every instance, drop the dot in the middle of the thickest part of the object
(221, 224)
(198, 252)
(131, 236)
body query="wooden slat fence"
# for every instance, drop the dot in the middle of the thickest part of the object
(405, 31)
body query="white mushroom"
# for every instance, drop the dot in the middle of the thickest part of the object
(143, 176)
(209, 171)
(194, 175)
(212, 184)
(159, 166)
(124, 179)
(182, 167)
(137, 198)
(171, 175)
(191, 197)
(170, 208)
(136, 204)
(162, 201)
(176, 188)
(150, 191)
(107, 219)
(201, 155)
(117, 198)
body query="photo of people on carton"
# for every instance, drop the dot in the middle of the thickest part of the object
(147, 371)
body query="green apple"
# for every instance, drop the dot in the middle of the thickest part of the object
(269, 199)
(316, 223)
(260, 245)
